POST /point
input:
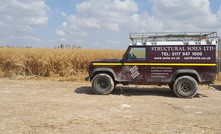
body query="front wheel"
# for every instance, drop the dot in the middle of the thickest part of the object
(185, 87)
(102, 84)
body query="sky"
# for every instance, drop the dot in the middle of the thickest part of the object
(101, 24)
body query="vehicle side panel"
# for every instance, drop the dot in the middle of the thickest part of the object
(163, 64)
(165, 61)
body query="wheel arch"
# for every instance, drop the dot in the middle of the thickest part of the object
(108, 71)
(186, 72)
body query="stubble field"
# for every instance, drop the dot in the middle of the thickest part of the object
(53, 107)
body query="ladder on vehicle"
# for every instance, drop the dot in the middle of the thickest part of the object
(184, 37)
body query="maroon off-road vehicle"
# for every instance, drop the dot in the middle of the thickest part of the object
(179, 60)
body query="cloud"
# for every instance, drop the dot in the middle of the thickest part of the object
(98, 15)
(180, 9)
(20, 40)
(143, 23)
(24, 28)
(106, 20)
(110, 21)
(102, 23)
(2, 24)
(188, 15)
(29, 12)
(28, 38)
(60, 33)
(19, 18)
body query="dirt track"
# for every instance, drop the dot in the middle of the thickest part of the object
(29, 106)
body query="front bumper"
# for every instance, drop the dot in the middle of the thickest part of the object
(87, 78)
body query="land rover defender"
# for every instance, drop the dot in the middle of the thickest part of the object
(179, 60)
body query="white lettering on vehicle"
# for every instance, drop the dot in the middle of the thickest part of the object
(134, 72)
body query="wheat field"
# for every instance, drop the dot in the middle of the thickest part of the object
(54, 64)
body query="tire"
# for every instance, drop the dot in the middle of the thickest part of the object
(185, 87)
(102, 84)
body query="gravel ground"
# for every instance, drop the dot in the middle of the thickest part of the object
(50, 107)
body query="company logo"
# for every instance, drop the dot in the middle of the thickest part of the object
(134, 72)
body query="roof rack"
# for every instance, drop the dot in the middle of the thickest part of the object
(184, 37)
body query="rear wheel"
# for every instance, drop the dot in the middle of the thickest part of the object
(185, 87)
(102, 84)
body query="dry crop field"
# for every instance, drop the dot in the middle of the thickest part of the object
(54, 64)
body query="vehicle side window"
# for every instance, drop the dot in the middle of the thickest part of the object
(137, 53)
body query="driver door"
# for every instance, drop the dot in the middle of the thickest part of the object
(135, 66)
